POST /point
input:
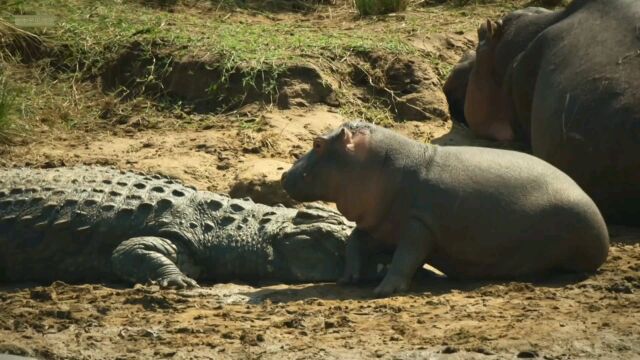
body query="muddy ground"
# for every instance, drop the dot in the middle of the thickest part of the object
(568, 318)
(102, 115)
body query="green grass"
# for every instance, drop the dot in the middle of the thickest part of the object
(95, 30)
(91, 33)
(380, 7)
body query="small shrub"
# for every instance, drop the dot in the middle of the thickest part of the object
(379, 7)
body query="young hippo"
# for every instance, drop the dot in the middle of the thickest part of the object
(473, 213)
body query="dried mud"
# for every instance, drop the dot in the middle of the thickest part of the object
(565, 318)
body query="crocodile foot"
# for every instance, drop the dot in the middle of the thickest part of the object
(177, 281)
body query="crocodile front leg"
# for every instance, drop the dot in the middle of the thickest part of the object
(142, 259)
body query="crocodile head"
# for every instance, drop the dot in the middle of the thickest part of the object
(310, 246)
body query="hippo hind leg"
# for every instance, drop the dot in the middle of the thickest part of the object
(590, 247)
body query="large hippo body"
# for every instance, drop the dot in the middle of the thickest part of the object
(568, 84)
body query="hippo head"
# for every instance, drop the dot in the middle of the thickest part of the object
(316, 175)
(455, 88)
(485, 107)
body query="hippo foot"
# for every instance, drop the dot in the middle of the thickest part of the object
(178, 281)
(391, 284)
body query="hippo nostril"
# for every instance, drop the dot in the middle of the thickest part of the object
(284, 176)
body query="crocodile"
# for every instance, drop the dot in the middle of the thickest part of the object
(88, 224)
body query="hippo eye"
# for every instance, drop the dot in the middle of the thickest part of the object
(318, 144)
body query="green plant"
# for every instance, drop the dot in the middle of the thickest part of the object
(379, 7)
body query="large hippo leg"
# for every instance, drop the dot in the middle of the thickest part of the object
(412, 250)
(147, 258)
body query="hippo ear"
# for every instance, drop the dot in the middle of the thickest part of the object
(489, 28)
(347, 139)
(482, 32)
(494, 31)
(497, 31)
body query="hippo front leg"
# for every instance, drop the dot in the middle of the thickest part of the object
(355, 246)
(142, 259)
(410, 254)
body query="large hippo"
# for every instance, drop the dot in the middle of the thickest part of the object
(566, 83)
(473, 213)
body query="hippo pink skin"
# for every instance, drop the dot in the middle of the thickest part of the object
(473, 213)
(568, 84)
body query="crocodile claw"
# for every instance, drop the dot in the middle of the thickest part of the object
(178, 282)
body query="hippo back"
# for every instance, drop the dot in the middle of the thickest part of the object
(580, 83)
